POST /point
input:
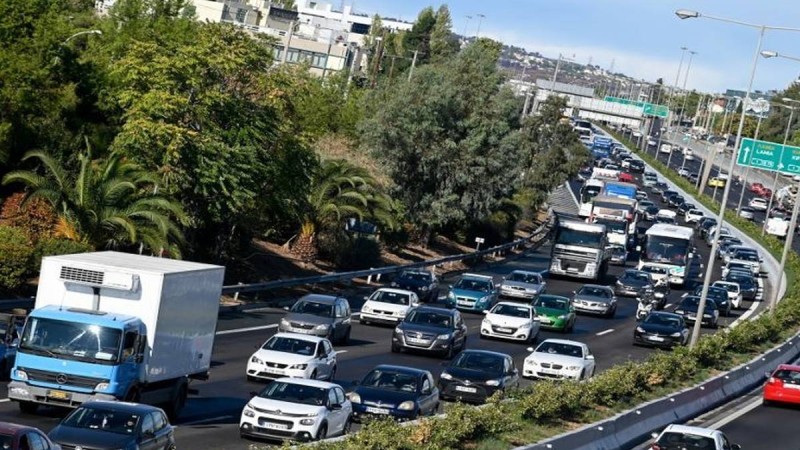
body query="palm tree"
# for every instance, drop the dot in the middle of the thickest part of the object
(339, 191)
(109, 203)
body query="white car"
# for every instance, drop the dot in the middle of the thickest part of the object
(508, 320)
(759, 204)
(688, 154)
(294, 356)
(651, 142)
(734, 292)
(693, 216)
(299, 410)
(751, 259)
(559, 359)
(523, 284)
(665, 148)
(683, 172)
(387, 305)
(686, 437)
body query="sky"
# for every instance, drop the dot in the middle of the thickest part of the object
(642, 37)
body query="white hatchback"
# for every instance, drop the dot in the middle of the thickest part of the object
(387, 305)
(734, 292)
(297, 410)
(693, 215)
(515, 321)
(759, 204)
(559, 359)
(293, 355)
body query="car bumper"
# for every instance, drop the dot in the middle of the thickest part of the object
(513, 293)
(263, 372)
(705, 321)
(552, 324)
(517, 334)
(310, 332)
(472, 393)
(435, 346)
(627, 291)
(25, 392)
(262, 427)
(383, 318)
(529, 371)
(592, 309)
(654, 340)
(362, 411)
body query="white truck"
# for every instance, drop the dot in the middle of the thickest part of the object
(579, 250)
(117, 326)
(778, 227)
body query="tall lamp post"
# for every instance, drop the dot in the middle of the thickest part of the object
(685, 79)
(792, 223)
(791, 109)
(687, 14)
(669, 103)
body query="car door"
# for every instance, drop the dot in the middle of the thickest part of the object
(336, 414)
(428, 395)
(162, 429)
(347, 408)
(327, 358)
(589, 361)
(512, 374)
(460, 331)
(535, 322)
(147, 433)
(345, 324)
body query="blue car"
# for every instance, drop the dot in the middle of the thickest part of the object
(473, 293)
(403, 393)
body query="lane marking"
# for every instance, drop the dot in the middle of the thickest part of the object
(740, 411)
(202, 421)
(245, 330)
(610, 330)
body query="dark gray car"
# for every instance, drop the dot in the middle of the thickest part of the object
(319, 315)
(432, 330)
(595, 299)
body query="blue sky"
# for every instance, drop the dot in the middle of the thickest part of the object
(642, 36)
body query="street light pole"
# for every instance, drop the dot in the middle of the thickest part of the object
(672, 95)
(480, 20)
(775, 181)
(747, 169)
(685, 79)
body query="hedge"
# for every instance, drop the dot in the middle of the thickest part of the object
(549, 408)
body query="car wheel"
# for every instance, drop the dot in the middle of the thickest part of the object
(348, 424)
(396, 348)
(322, 433)
(313, 375)
(346, 338)
(582, 375)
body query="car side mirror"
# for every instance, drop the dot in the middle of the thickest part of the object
(590, 357)
(485, 311)
(285, 308)
(366, 297)
(529, 349)
(654, 435)
(148, 434)
(335, 407)
(767, 374)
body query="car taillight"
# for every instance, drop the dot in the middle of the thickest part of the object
(655, 447)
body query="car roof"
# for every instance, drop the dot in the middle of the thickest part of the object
(526, 272)
(307, 382)
(559, 297)
(794, 367)
(665, 313)
(725, 282)
(437, 309)
(564, 341)
(404, 369)
(302, 337)
(685, 429)
(121, 406)
(477, 276)
(320, 298)
(12, 428)
(394, 290)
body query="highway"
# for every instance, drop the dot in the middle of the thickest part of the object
(210, 420)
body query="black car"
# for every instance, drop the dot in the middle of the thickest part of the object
(104, 424)
(666, 195)
(404, 393)
(633, 283)
(659, 187)
(475, 375)
(693, 177)
(636, 166)
(705, 225)
(651, 212)
(747, 284)
(432, 330)
(675, 201)
(720, 297)
(423, 282)
(689, 306)
(661, 329)
(684, 208)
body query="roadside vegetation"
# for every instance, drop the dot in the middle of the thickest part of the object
(167, 136)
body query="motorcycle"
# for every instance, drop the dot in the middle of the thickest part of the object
(646, 303)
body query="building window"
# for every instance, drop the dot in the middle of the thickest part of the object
(319, 60)
(305, 56)
(241, 15)
(293, 56)
(277, 53)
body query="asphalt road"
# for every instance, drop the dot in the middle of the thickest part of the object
(210, 420)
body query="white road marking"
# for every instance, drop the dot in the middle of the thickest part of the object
(610, 330)
(3, 400)
(740, 411)
(245, 330)
(202, 421)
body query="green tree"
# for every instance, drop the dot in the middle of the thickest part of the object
(109, 203)
(443, 43)
(16, 253)
(419, 36)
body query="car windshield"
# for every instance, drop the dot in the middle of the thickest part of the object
(313, 308)
(523, 277)
(290, 345)
(595, 291)
(694, 302)
(295, 393)
(667, 250)
(431, 318)
(71, 340)
(560, 348)
(104, 419)
(670, 441)
(589, 192)
(663, 320)
(666, 220)
(473, 284)
(787, 376)
(617, 250)
(481, 362)
(415, 276)
(636, 276)
(394, 298)
(566, 236)
(391, 380)
(730, 287)
(512, 310)
(645, 203)
(552, 302)
(741, 280)
(744, 256)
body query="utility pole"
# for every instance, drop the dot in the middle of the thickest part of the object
(377, 56)
(413, 64)
(288, 41)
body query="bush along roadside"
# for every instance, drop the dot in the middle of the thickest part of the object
(550, 408)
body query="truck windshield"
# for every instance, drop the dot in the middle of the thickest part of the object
(589, 192)
(614, 226)
(667, 250)
(71, 340)
(566, 236)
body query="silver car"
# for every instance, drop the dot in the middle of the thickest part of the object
(319, 315)
(595, 299)
(523, 285)
(747, 213)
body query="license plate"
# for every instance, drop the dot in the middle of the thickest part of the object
(656, 338)
(301, 331)
(59, 395)
(416, 341)
(465, 303)
(504, 330)
(374, 410)
(466, 389)
(275, 426)
(275, 371)
(544, 320)
(550, 371)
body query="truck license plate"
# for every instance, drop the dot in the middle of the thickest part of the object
(59, 395)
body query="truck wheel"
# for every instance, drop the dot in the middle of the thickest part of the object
(28, 407)
(178, 402)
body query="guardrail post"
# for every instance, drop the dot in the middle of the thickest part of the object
(369, 277)
(236, 294)
(378, 278)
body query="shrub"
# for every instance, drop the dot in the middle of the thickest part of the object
(15, 255)
(618, 384)
(49, 246)
(347, 252)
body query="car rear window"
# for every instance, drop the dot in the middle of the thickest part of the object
(671, 440)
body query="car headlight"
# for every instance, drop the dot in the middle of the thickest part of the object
(298, 366)
(398, 330)
(366, 309)
(248, 411)
(676, 334)
(573, 367)
(493, 383)
(424, 288)
(640, 330)
(407, 406)
(487, 322)
(678, 311)
(284, 323)
(446, 376)
(354, 397)
(532, 362)
(451, 296)
(707, 315)
(484, 299)
(321, 327)
(443, 337)
(307, 421)
(22, 375)
(525, 326)
(562, 317)
(619, 283)
(393, 284)
(101, 387)
(256, 360)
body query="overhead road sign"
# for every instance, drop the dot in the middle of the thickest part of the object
(649, 109)
(769, 156)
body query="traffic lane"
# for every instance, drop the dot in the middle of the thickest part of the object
(770, 427)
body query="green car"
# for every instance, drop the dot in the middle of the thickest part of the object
(555, 312)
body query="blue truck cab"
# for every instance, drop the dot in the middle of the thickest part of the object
(472, 293)
(602, 147)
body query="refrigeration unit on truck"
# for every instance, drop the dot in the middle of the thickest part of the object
(671, 247)
(117, 326)
(579, 250)
(619, 217)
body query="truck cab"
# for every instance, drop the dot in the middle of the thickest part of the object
(579, 250)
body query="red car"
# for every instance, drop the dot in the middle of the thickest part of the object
(783, 385)
(20, 437)
(765, 193)
(625, 177)
(756, 187)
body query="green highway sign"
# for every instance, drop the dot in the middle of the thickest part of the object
(769, 156)
(650, 109)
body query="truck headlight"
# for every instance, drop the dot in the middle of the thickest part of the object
(493, 383)
(298, 366)
(248, 411)
(407, 406)
(21, 374)
(101, 387)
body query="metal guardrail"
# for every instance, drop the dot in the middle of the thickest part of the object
(369, 273)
